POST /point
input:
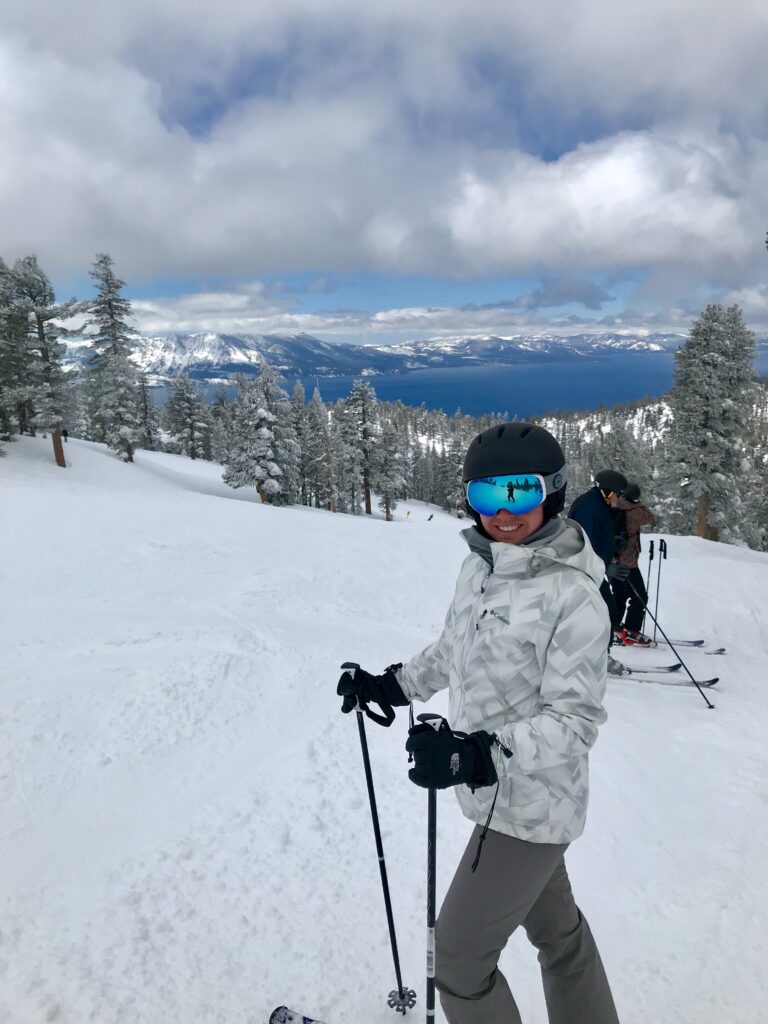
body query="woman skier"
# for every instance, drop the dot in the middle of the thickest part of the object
(523, 655)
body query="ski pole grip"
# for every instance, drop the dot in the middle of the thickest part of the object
(650, 553)
(437, 722)
(353, 703)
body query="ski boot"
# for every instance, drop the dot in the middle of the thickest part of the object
(634, 638)
(615, 668)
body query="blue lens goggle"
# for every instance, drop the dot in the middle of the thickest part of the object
(516, 492)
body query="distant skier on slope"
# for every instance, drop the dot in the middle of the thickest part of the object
(630, 608)
(523, 655)
(593, 511)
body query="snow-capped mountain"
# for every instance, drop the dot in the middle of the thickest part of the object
(212, 357)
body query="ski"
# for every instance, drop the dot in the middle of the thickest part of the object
(282, 1015)
(675, 643)
(672, 682)
(642, 669)
(681, 643)
(658, 643)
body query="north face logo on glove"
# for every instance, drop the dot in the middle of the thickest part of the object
(455, 763)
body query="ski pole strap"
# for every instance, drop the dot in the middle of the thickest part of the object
(385, 719)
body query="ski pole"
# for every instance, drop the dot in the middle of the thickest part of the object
(400, 999)
(662, 554)
(431, 893)
(439, 724)
(647, 584)
(671, 645)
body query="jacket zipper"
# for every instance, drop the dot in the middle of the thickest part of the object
(473, 625)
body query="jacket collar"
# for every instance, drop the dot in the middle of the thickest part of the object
(490, 550)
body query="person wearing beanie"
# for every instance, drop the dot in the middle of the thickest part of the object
(523, 656)
(596, 511)
(630, 594)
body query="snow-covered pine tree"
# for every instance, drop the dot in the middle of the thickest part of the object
(760, 501)
(361, 403)
(251, 457)
(614, 447)
(118, 408)
(33, 302)
(149, 421)
(187, 419)
(11, 345)
(711, 401)
(222, 411)
(287, 454)
(345, 458)
(457, 448)
(298, 418)
(421, 482)
(388, 477)
(219, 440)
(317, 457)
(114, 389)
(76, 414)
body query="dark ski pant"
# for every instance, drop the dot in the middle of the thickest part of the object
(626, 600)
(516, 882)
(613, 611)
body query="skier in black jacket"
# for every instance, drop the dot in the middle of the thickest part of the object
(593, 511)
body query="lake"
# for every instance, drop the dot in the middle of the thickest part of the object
(525, 389)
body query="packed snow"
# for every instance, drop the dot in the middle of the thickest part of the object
(185, 829)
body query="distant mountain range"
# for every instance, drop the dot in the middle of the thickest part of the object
(216, 358)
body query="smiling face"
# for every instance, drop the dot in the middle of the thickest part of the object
(507, 528)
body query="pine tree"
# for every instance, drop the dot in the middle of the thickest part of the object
(115, 393)
(316, 451)
(286, 451)
(457, 448)
(251, 457)
(187, 418)
(298, 418)
(388, 474)
(12, 340)
(362, 404)
(711, 402)
(76, 410)
(345, 449)
(222, 411)
(149, 422)
(33, 317)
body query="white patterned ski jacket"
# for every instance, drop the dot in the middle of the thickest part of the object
(523, 653)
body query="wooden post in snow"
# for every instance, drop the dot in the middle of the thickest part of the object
(58, 449)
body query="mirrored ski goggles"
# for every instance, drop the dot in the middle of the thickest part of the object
(517, 492)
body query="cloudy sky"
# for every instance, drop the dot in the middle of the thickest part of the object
(372, 171)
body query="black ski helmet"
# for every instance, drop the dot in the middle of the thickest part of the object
(517, 448)
(611, 481)
(633, 492)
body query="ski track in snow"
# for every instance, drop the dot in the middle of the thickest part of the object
(185, 827)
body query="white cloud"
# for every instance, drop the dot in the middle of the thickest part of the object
(252, 310)
(637, 199)
(357, 154)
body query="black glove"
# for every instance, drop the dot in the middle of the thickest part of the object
(444, 758)
(357, 685)
(616, 571)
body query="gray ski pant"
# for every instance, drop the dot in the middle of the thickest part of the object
(516, 882)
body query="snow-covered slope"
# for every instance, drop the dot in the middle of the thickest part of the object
(185, 833)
